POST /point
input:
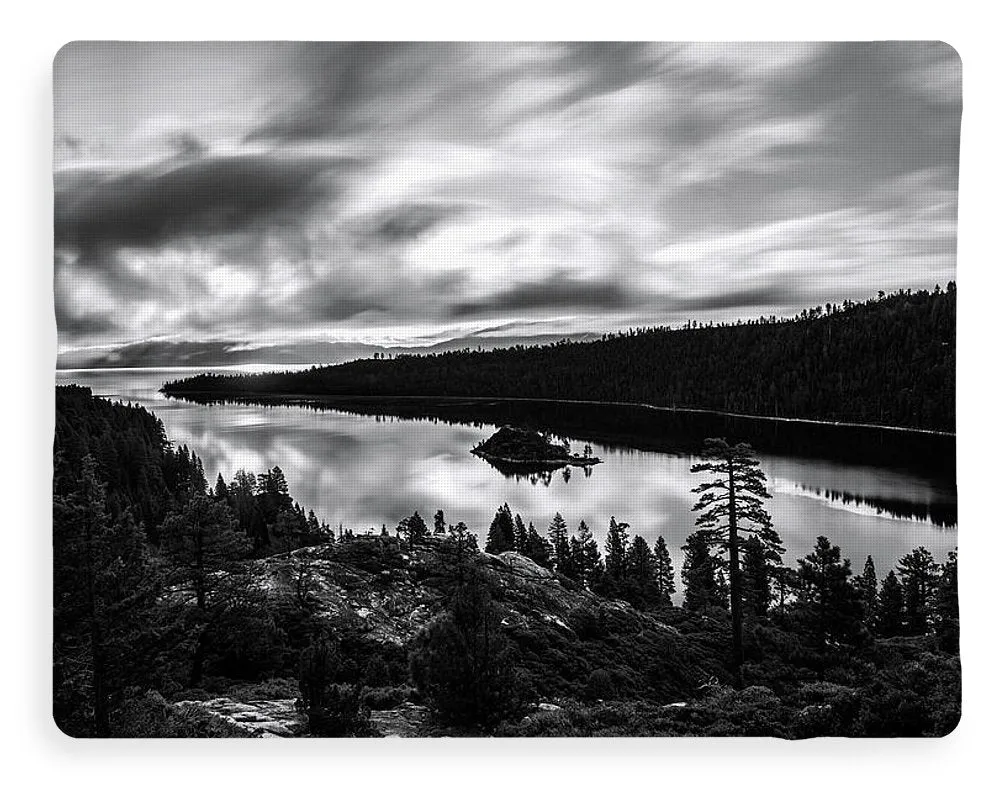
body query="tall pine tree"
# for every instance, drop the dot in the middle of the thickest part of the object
(731, 504)
(664, 571)
(918, 574)
(559, 538)
(698, 573)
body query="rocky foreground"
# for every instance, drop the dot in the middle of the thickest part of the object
(382, 593)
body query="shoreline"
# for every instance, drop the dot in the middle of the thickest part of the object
(357, 399)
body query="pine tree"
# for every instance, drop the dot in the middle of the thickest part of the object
(890, 607)
(221, 490)
(640, 575)
(520, 535)
(501, 534)
(206, 560)
(412, 528)
(785, 582)
(867, 586)
(664, 571)
(825, 593)
(698, 573)
(461, 539)
(756, 579)
(538, 548)
(463, 663)
(946, 605)
(918, 574)
(615, 549)
(439, 524)
(105, 584)
(586, 557)
(730, 504)
(559, 538)
(203, 550)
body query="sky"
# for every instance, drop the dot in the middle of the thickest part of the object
(308, 202)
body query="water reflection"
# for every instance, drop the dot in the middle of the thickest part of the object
(363, 470)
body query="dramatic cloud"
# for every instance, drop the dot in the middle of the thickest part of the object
(296, 202)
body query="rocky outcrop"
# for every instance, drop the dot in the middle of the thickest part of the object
(260, 718)
(568, 643)
(407, 720)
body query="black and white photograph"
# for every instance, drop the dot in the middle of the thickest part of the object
(583, 389)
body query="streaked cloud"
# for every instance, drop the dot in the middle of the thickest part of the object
(239, 197)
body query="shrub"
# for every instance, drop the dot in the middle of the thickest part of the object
(332, 709)
(384, 698)
(147, 715)
(463, 664)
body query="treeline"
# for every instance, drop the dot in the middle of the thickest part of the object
(152, 575)
(824, 598)
(889, 360)
(828, 652)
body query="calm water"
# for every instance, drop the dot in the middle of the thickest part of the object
(363, 472)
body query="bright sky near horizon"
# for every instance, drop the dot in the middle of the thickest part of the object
(215, 200)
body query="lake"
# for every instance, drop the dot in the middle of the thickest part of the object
(361, 470)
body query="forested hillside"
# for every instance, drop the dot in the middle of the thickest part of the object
(163, 623)
(150, 582)
(888, 361)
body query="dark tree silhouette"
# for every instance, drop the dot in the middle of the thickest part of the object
(641, 590)
(559, 538)
(412, 528)
(867, 586)
(730, 504)
(462, 662)
(664, 571)
(832, 607)
(698, 573)
(756, 579)
(918, 574)
(105, 585)
(890, 607)
(946, 605)
(520, 535)
(585, 556)
(537, 548)
(501, 537)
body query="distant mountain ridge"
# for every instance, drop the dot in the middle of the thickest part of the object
(169, 353)
(886, 361)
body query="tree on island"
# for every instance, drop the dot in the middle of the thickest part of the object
(729, 504)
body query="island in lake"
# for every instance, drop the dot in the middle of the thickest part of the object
(528, 450)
